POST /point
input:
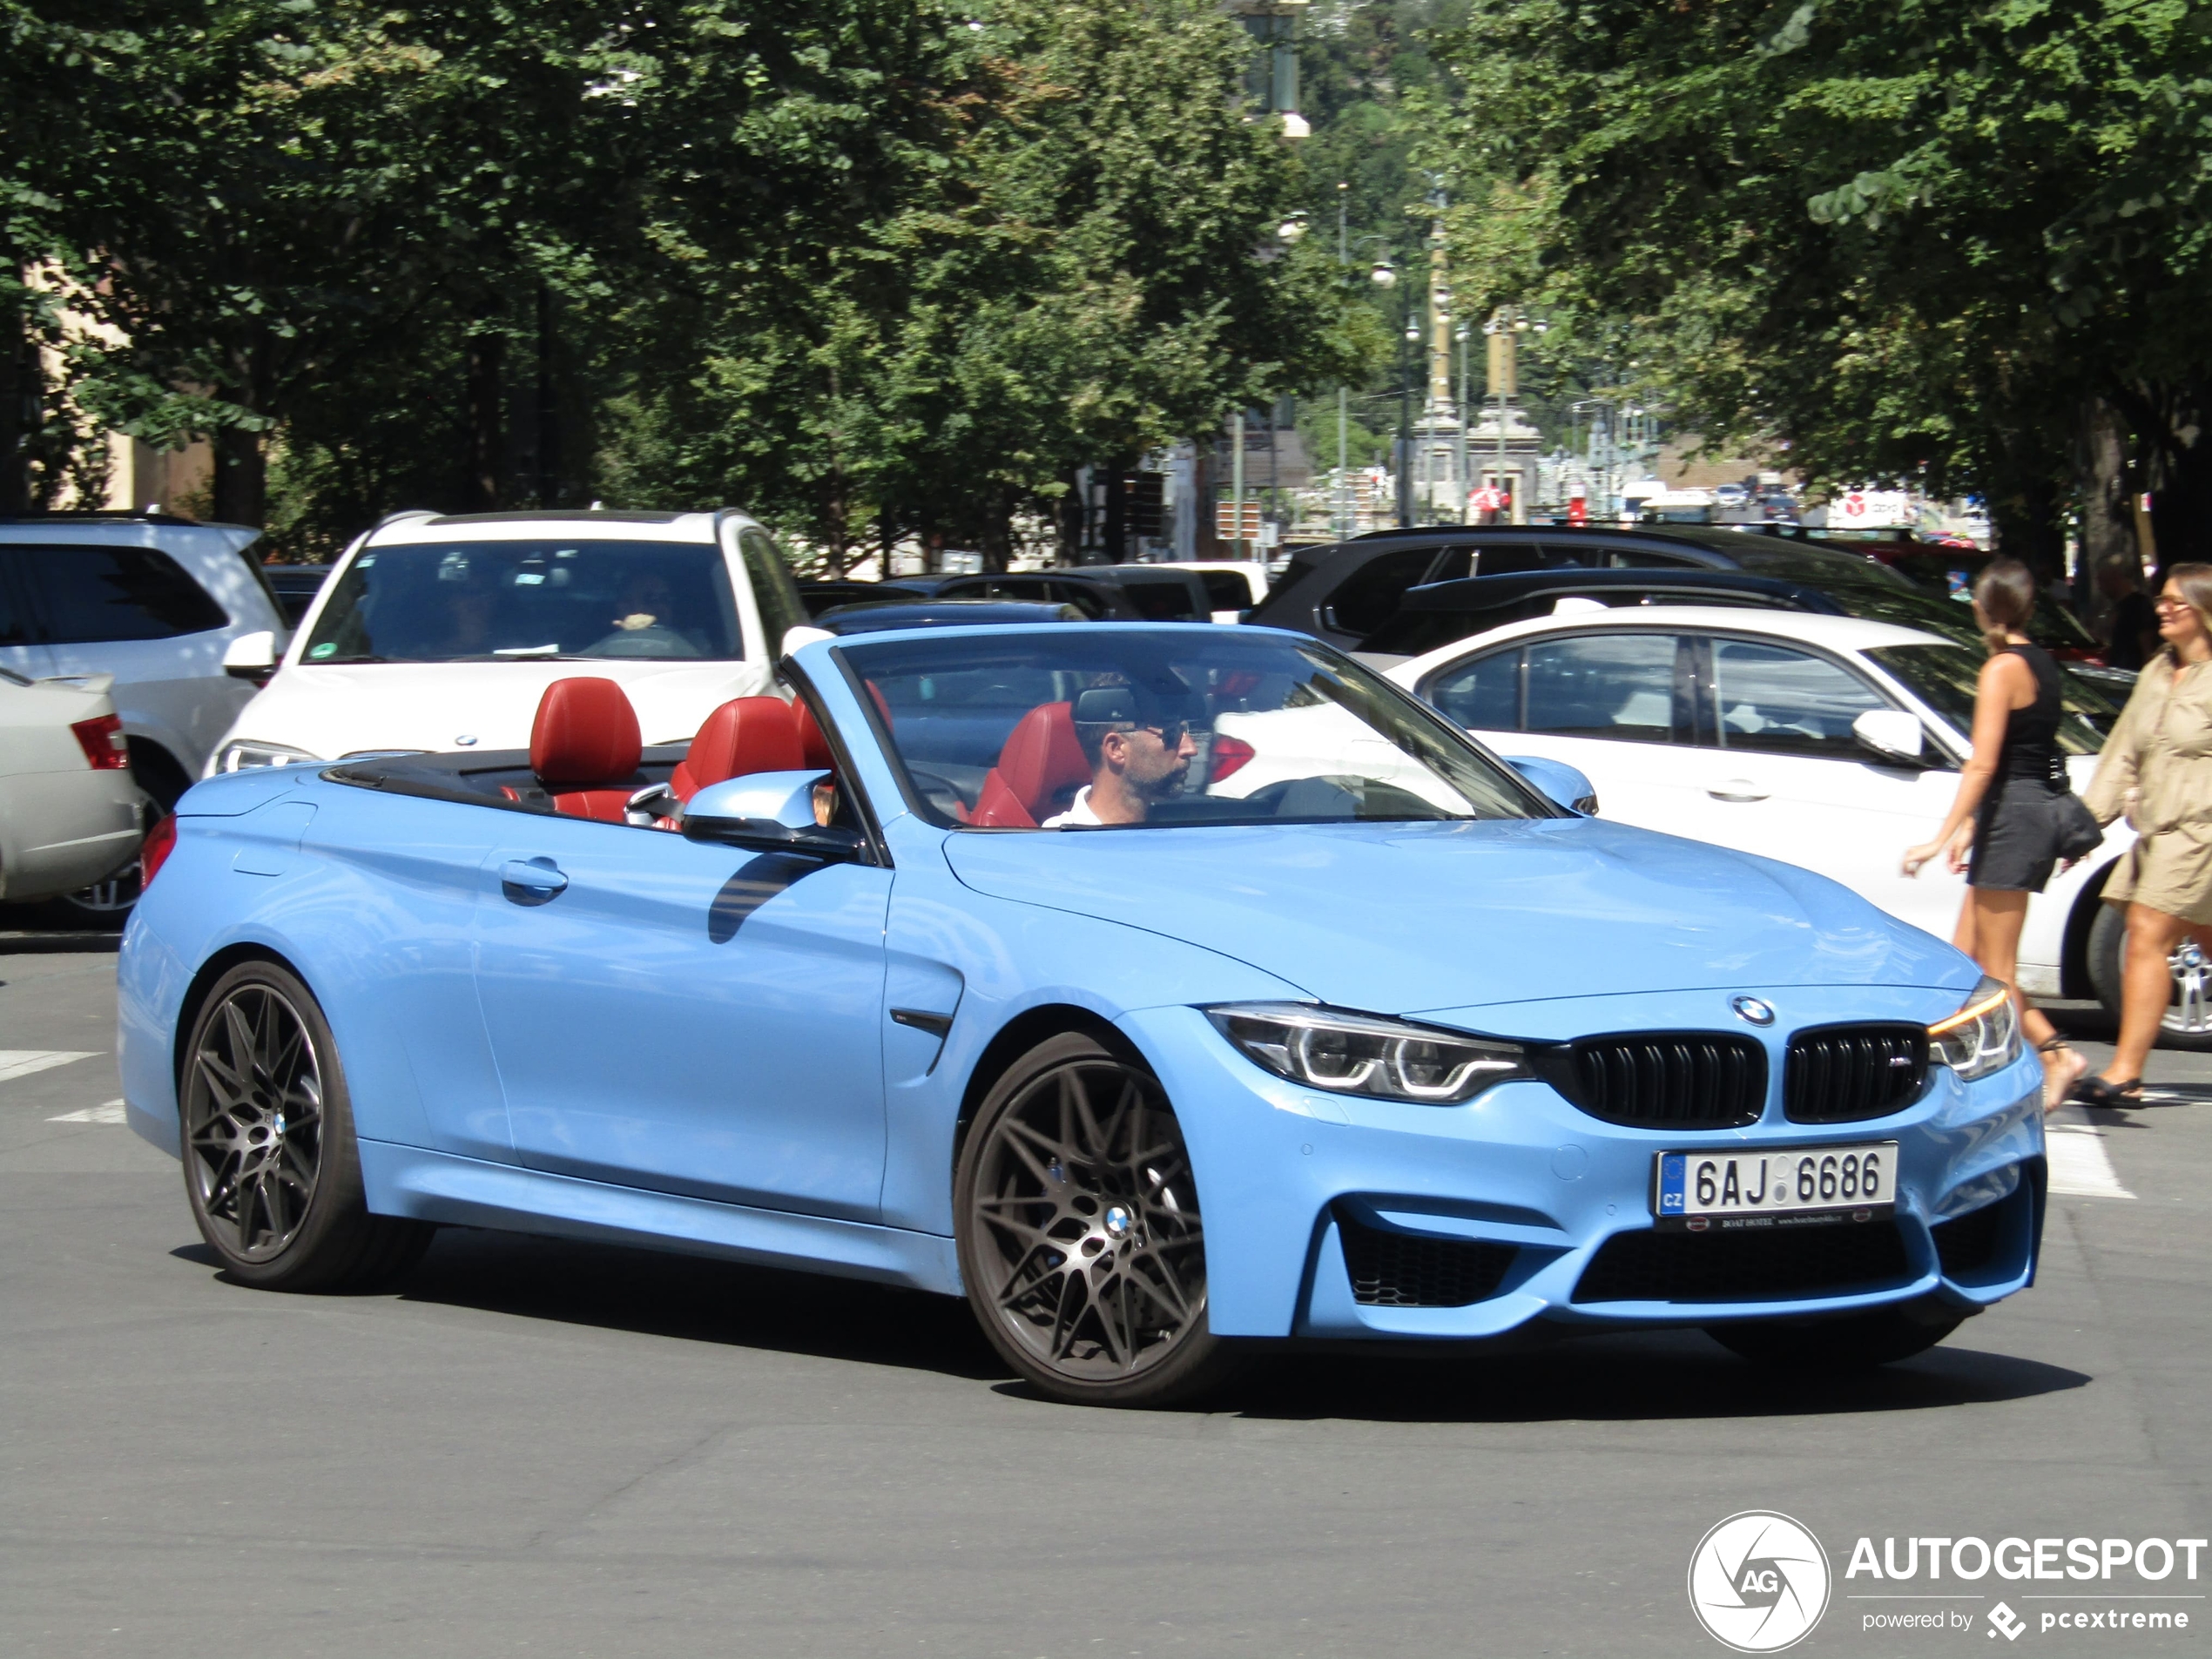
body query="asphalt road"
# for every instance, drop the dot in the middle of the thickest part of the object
(540, 1448)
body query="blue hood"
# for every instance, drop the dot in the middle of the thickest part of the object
(1396, 918)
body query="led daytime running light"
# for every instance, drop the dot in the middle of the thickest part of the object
(1362, 1054)
(1968, 1016)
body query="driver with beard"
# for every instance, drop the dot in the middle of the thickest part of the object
(1138, 740)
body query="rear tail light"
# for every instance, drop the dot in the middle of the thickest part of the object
(1229, 755)
(153, 853)
(103, 743)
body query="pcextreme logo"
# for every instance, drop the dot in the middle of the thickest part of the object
(1758, 1581)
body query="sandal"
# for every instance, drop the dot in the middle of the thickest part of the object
(2059, 1083)
(2095, 1091)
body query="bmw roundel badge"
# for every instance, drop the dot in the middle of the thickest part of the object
(1749, 1007)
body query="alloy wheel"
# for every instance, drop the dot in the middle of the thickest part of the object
(1086, 1223)
(254, 1119)
(2190, 1012)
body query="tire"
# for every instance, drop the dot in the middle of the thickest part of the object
(2188, 1024)
(271, 1168)
(1080, 1240)
(1857, 1342)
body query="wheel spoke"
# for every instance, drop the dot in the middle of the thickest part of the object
(255, 1063)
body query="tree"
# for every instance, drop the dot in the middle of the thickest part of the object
(1910, 240)
(1068, 261)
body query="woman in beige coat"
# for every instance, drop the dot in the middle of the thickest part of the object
(2156, 769)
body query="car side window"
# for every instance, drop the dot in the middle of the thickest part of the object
(1637, 558)
(1087, 600)
(94, 594)
(1227, 589)
(1624, 686)
(1509, 558)
(1483, 695)
(774, 590)
(18, 626)
(1370, 595)
(1167, 601)
(1781, 701)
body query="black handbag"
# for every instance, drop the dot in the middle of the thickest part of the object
(2079, 834)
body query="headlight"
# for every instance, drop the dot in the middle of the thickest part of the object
(1983, 1037)
(1361, 1053)
(244, 754)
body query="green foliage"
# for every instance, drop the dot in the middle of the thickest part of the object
(1908, 239)
(867, 267)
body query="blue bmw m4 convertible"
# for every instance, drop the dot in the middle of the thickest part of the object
(1166, 991)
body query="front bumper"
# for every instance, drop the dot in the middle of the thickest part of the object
(1516, 1207)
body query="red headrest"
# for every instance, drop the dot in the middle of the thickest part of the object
(745, 735)
(1042, 757)
(586, 732)
(811, 744)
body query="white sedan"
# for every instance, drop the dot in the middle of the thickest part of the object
(69, 811)
(1822, 741)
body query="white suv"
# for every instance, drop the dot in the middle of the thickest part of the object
(155, 602)
(442, 632)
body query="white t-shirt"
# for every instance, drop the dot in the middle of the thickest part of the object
(1078, 812)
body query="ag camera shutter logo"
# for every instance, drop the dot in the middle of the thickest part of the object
(1758, 1581)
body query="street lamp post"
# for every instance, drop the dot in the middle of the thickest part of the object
(1460, 469)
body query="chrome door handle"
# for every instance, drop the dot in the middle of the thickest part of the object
(1737, 789)
(539, 878)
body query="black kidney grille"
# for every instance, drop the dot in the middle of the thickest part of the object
(1663, 1079)
(1843, 1074)
(1769, 1263)
(1403, 1271)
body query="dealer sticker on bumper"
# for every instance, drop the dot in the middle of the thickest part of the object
(1802, 1186)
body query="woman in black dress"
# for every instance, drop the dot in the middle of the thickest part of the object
(2003, 828)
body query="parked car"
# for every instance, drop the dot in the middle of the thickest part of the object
(1099, 599)
(1441, 612)
(1233, 586)
(825, 595)
(441, 632)
(1160, 592)
(880, 615)
(1827, 741)
(1394, 1050)
(69, 810)
(1345, 591)
(154, 600)
(295, 587)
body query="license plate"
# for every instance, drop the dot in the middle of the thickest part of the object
(1801, 1187)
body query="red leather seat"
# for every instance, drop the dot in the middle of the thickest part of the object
(813, 747)
(1040, 762)
(745, 735)
(584, 748)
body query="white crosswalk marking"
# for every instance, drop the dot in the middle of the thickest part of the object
(2080, 1164)
(21, 1062)
(108, 1111)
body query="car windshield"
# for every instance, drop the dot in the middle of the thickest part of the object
(1092, 725)
(1945, 678)
(530, 601)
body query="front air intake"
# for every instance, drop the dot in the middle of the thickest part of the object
(1395, 1269)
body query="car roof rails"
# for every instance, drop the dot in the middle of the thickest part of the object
(106, 515)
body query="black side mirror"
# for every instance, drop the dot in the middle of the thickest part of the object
(833, 845)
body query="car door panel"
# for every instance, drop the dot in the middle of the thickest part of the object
(1786, 779)
(1616, 705)
(693, 1018)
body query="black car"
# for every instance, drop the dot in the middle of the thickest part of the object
(1165, 593)
(1099, 599)
(1345, 591)
(1442, 613)
(878, 615)
(822, 596)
